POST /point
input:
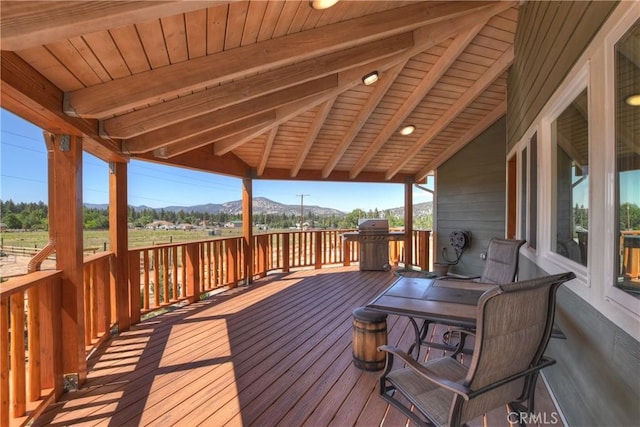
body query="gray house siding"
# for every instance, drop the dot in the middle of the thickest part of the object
(471, 197)
(549, 40)
(596, 378)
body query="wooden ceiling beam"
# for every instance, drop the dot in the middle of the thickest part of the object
(346, 80)
(335, 176)
(382, 86)
(311, 136)
(176, 110)
(457, 46)
(202, 159)
(267, 150)
(231, 129)
(28, 24)
(153, 86)
(424, 39)
(29, 95)
(468, 136)
(206, 122)
(283, 114)
(479, 86)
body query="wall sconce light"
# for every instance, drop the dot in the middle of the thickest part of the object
(322, 4)
(371, 78)
(407, 130)
(633, 100)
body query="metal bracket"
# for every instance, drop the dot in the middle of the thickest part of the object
(71, 382)
(65, 143)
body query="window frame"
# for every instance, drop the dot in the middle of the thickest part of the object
(562, 99)
(611, 292)
(595, 68)
(523, 185)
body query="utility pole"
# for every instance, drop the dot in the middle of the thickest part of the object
(302, 208)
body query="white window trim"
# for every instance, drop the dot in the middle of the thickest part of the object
(550, 260)
(525, 143)
(613, 294)
(595, 284)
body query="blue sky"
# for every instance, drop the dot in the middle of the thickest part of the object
(23, 173)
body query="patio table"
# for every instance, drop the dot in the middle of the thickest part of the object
(451, 302)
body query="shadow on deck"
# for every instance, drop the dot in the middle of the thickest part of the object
(275, 353)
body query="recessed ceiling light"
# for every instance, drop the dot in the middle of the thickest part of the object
(407, 130)
(322, 4)
(371, 78)
(633, 100)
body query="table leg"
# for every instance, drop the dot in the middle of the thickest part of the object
(416, 345)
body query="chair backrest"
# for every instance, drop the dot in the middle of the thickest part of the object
(512, 331)
(502, 261)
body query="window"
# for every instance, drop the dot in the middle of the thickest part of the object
(627, 131)
(532, 237)
(528, 201)
(570, 145)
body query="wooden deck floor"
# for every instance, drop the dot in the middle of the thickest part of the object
(277, 353)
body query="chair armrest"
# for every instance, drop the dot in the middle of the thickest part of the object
(451, 276)
(543, 363)
(423, 371)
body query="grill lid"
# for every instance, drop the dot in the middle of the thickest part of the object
(368, 225)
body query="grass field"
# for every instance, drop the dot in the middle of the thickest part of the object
(99, 240)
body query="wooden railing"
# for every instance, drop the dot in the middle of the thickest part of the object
(99, 299)
(31, 374)
(31, 351)
(163, 275)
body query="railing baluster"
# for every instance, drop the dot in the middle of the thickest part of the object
(145, 269)
(165, 274)
(174, 273)
(18, 355)
(87, 304)
(33, 318)
(203, 273)
(4, 361)
(156, 278)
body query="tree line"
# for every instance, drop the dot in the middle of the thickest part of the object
(34, 216)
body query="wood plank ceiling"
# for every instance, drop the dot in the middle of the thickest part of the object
(263, 89)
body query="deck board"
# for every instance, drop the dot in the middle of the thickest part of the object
(272, 354)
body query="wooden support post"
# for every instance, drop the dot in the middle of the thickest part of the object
(247, 227)
(408, 224)
(192, 264)
(261, 255)
(67, 228)
(119, 242)
(50, 297)
(346, 253)
(286, 241)
(317, 236)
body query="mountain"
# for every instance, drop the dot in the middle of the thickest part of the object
(262, 205)
(419, 209)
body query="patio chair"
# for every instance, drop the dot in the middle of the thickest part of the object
(502, 261)
(501, 267)
(514, 324)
